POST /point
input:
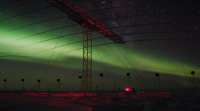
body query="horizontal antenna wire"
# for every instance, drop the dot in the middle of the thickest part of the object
(10, 3)
(54, 49)
(132, 67)
(56, 59)
(115, 27)
(103, 65)
(124, 64)
(125, 41)
(63, 68)
(26, 13)
(146, 40)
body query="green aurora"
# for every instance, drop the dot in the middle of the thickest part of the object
(11, 49)
(149, 63)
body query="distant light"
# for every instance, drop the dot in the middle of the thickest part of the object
(127, 89)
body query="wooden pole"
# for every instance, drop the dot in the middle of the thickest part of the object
(102, 83)
(115, 85)
(5, 80)
(81, 85)
(58, 80)
(128, 74)
(157, 75)
(5, 85)
(193, 83)
(23, 84)
(101, 74)
(159, 83)
(193, 73)
(129, 82)
(39, 83)
(39, 86)
(59, 86)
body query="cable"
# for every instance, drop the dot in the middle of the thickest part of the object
(153, 24)
(103, 64)
(54, 49)
(56, 59)
(25, 13)
(97, 20)
(52, 39)
(44, 32)
(124, 64)
(137, 40)
(105, 37)
(57, 47)
(10, 3)
(63, 68)
(37, 23)
(145, 15)
(130, 6)
(5, 56)
(60, 53)
(108, 28)
(132, 66)
(160, 32)
(76, 49)
(82, 48)
(105, 19)
(146, 40)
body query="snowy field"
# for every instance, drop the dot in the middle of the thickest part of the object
(107, 101)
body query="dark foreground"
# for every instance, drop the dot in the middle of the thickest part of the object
(107, 101)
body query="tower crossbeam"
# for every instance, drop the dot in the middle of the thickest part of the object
(89, 25)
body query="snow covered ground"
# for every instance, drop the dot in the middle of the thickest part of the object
(107, 101)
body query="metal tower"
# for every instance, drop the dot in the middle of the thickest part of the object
(89, 25)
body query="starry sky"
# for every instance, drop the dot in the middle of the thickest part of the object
(38, 41)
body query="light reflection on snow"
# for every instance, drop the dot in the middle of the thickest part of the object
(94, 101)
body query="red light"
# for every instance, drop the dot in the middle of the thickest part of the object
(127, 89)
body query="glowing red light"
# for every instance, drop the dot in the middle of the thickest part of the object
(127, 89)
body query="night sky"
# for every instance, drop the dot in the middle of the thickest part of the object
(163, 38)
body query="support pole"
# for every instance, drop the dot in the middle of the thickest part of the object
(159, 83)
(115, 85)
(157, 75)
(5, 80)
(129, 82)
(58, 80)
(87, 59)
(90, 25)
(39, 83)
(39, 86)
(23, 84)
(193, 73)
(102, 80)
(5, 86)
(102, 83)
(128, 74)
(193, 83)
